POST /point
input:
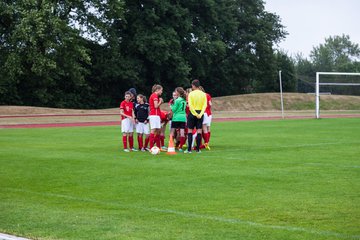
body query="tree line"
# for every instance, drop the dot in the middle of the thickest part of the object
(86, 54)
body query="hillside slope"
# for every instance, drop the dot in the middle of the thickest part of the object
(292, 101)
(246, 102)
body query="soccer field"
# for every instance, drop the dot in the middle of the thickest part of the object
(282, 179)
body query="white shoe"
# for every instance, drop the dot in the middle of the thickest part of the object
(126, 150)
(134, 150)
(186, 151)
(143, 150)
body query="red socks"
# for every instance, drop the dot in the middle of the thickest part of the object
(206, 137)
(152, 139)
(158, 141)
(162, 140)
(140, 141)
(147, 139)
(124, 139)
(182, 142)
(131, 142)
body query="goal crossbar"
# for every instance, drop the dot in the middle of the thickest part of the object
(339, 84)
(317, 90)
(338, 73)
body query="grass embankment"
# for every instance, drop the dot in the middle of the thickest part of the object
(246, 102)
(292, 102)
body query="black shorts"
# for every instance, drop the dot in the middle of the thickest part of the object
(176, 125)
(194, 122)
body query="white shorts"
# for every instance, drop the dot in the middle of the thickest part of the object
(207, 120)
(155, 121)
(142, 128)
(127, 126)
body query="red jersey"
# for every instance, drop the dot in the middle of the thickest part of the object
(154, 111)
(187, 109)
(163, 116)
(208, 107)
(127, 107)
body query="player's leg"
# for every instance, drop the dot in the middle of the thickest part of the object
(191, 124)
(139, 133)
(172, 132)
(140, 141)
(162, 137)
(199, 125)
(182, 138)
(124, 140)
(205, 131)
(153, 123)
(147, 136)
(208, 128)
(158, 138)
(131, 136)
(124, 130)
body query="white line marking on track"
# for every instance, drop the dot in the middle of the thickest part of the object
(193, 215)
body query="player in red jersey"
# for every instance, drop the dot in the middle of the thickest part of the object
(154, 116)
(164, 121)
(207, 120)
(127, 122)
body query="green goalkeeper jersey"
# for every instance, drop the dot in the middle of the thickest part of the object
(178, 109)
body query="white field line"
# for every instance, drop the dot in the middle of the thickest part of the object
(293, 146)
(193, 215)
(10, 237)
(275, 147)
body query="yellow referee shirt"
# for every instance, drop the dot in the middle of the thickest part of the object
(197, 102)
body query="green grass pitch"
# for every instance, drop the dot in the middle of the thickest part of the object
(282, 179)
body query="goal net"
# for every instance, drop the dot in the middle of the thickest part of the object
(336, 83)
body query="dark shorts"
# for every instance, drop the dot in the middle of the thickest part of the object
(176, 125)
(194, 122)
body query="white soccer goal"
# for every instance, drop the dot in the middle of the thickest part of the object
(331, 83)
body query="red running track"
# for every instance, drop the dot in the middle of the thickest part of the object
(58, 115)
(114, 123)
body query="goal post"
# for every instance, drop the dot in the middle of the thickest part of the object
(318, 84)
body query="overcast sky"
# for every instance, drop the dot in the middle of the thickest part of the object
(309, 22)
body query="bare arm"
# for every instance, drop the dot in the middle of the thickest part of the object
(124, 115)
(158, 103)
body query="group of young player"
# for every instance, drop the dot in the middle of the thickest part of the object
(189, 118)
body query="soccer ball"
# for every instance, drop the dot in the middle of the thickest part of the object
(155, 150)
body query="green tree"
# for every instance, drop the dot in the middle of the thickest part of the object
(223, 43)
(87, 53)
(337, 54)
(287, 67)
(44, 57)
(305, 73)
